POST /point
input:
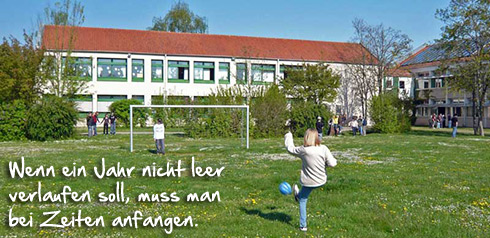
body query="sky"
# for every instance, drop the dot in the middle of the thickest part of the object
(324, 20)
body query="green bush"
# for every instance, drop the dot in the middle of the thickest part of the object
(269, 112)
(121, 110)
(217, 122)
(51, 118)
(304, 115)
(13, 117)
(390, 114)
(173, 117)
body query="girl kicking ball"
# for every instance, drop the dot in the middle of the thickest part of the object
(315, 158)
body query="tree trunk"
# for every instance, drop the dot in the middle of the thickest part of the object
(473, 109)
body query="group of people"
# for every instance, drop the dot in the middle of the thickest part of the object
(93, 119)
(358, 125)
(439, 121)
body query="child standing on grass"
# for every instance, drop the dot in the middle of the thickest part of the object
(315, 158)
(106, 124)
(159, 136)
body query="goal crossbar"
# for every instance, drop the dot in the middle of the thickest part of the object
(183, 106)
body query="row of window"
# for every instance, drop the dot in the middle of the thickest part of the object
(178, 71)
(432, 83)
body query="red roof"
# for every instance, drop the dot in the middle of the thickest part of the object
(399, 72)
(90, 39)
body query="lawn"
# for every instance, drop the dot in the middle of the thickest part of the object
(420, 184)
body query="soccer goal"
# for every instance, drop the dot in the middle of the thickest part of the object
(242, 107)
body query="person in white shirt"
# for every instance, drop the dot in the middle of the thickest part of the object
(159, 136)
(315, 158)
(354, 125)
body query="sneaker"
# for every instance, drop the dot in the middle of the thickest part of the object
(296, 192)
(303, 229)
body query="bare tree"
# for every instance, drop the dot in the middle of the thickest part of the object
(59, 74)
(386, 45)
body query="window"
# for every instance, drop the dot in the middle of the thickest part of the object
(224, 73)
(157, 70)
(203, 72)
(138, 73)
(80, 67)
(111, 69)
(110, 98)
(82, 98)
(263, 73)
(241, 73)
(389, 83)
(402, 84)
(284, 69)
(140, 98)
(438, 83)
(426, 84)
(178, 71)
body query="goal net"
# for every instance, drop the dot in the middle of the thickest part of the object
(244, 134)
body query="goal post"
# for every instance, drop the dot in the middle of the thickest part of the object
(185, 106)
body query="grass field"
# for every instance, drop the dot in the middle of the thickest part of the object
(421, 184)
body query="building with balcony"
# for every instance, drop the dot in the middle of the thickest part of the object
(432, 90)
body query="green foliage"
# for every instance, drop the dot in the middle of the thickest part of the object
(121, 110)
(13, 118)
(303, 115)
(314, 83)
(218, 122)
(390, 114)
(19, 70)
(180, 19)
(269, 113)
(51, 118)
(172, 117)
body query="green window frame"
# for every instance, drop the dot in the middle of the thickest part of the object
(260, 73)
(138, 70)
(224, 69)
(241, 73)
(157, 76)
(200, 71)
(81, 67)
(110, 98)
(112, 70)
(178, 71)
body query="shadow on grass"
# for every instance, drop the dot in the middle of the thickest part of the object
(438, 132)
(271, 216)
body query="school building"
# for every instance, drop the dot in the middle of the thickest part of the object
(431, 88)
(139, 64)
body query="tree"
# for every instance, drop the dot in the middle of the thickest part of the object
(19, 70)
(180, 19)
(269, 112)
(387, 47)
(59, 74)
(466, 35)
(315, 83)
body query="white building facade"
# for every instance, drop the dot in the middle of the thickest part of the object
(143, 65)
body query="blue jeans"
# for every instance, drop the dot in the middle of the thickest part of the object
(320, 136)
(455, 130)
(94, 130)
(160, 146)
(89, 131)
(449, 124)
(113, 128)
(360, 131)
(303, 199)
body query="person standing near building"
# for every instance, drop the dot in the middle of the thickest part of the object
(105, 122)
(359, 125)
(336, 124)
(89, 124)
(159, 136)
(354, 125)
(112, 120)
(455, 124)
(319, 127)
(95, 120)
